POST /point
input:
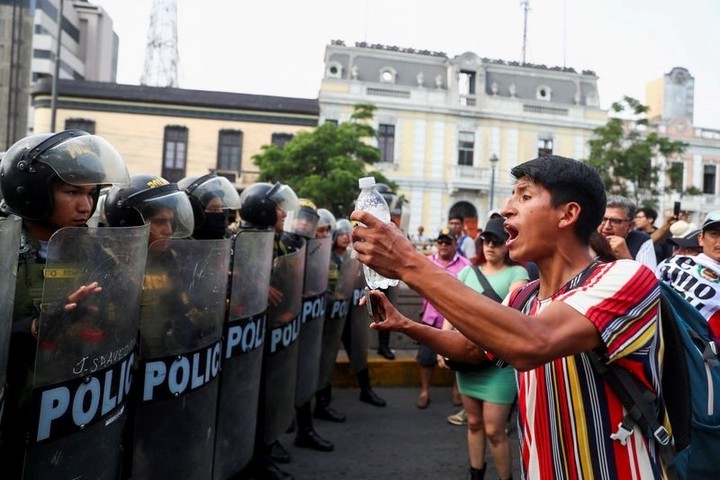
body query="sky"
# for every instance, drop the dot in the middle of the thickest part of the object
(277, 47)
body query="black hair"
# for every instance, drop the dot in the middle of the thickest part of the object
(649, 212)
(456, 216)
(569, 180)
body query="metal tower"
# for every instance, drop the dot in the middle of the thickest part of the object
(161, 53)
(525, 5)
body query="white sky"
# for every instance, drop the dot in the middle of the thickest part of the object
(277, 47)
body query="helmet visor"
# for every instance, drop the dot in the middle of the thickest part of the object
(217, 193)
(284, 197)
(302, 222)
(171, 214)
(86, 160)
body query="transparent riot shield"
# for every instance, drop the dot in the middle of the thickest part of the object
(281, 345)
(9, 242)
(336, 313)
(86, 352)
(317, 262)
(242, 352)
(358, 325)
(183, 308)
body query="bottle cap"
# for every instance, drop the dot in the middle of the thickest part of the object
(366, 182)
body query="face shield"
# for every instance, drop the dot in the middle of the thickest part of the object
(169, 212)
(302, 222)
(284, 198)
(214, 192)
(80, 159)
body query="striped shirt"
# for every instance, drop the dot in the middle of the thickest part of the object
(566, 411)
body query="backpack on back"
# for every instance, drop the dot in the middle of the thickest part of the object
(690, 383)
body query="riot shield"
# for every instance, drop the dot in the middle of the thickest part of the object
(317, 262)
(9, 242)
(174, 409)
(357, 323)
(242, 352)
(339, 303)
(281, 347)
(85, 357)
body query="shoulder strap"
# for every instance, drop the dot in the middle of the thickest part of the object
(487, 289)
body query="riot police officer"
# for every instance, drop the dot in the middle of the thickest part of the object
(69, 283)
(304, 222)
(212, 197)
(268, 205)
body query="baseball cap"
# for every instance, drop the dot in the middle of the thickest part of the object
(690, 240)
(711, 220)
(446, 233)
(494, 227)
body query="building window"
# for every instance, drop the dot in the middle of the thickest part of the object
(174, 153)
(709, 179)
(466, 147)
(281, 139)
(545, 146)
(229, 150)
(676, 176)
(386, 142)
(543, 92)
(466, 83)
(388, 75)
(332, 121)
(80, 124)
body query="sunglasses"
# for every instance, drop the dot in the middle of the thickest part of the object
(444, 242)
(492, 241)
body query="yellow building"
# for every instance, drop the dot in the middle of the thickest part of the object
(174, 132)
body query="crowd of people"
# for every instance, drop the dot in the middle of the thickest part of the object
(173, 339)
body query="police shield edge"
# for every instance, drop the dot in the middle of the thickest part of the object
(317, 262)
(243, 340)
(174, 407)
(281, 345)
(336, 313)
(85, 357)
(358, 318)
(9, 241)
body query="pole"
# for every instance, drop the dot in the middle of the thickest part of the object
(53, 94)
(493, 161)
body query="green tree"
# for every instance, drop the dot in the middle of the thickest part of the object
(622, 151)
(324, 164)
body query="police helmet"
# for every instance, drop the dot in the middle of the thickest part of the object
(209, 194)
(147, 194)
(327, 219)
(258, 204)
(78, 158)
(391, 198)
(342, 226)
(304, 220)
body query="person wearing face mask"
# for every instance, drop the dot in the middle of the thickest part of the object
(212, 197)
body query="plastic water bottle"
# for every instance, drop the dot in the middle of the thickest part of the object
(372, 202)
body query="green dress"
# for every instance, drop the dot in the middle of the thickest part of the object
(491, 384)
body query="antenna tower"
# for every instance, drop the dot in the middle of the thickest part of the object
(161, 51)
(525, 5)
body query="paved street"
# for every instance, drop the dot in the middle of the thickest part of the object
(394, 443)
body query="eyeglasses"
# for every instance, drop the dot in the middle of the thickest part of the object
(614, 222)
(444, 242)
(492, 241)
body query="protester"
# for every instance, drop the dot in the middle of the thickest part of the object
(566, 410)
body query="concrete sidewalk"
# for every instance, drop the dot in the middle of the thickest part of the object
(396, 442)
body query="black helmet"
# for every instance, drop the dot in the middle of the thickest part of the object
(133, 205)
(211, 197)
(73, 156)
(304, 221)
(259, 201)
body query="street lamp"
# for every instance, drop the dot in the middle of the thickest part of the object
(493, 162)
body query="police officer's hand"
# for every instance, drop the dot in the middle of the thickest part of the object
(275, 296)
(83, 293)
(381, 246)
